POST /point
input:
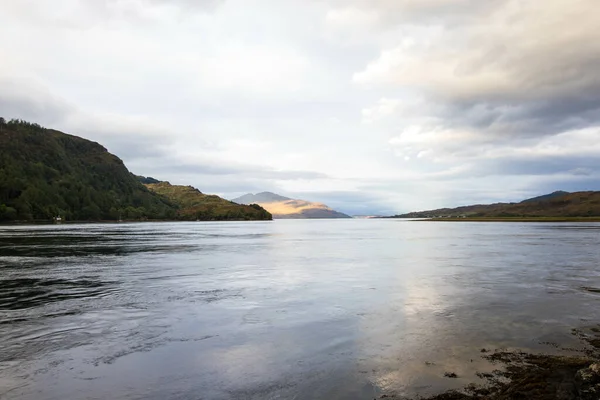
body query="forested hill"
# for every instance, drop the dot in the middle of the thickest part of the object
(45, 173)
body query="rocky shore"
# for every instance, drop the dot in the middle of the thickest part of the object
(528, 376)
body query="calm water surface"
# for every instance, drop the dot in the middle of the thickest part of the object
(338, 309)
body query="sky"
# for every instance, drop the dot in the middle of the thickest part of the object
(370, 106)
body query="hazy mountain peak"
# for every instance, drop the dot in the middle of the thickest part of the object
(285, 207)
(546, 197)
(262, 197)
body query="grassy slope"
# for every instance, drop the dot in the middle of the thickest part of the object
(197, 205)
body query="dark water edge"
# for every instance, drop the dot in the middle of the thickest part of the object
(287, 309)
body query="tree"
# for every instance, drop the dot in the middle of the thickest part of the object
(7, 213)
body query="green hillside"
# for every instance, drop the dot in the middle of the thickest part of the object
(197, 205)
(45, 173)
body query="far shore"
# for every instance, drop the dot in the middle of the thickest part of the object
(517, 219)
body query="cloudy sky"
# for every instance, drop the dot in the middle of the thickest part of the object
(371, 106)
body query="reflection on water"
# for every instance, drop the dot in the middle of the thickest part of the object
(344, 309)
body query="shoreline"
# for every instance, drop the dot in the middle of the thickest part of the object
(532, 376)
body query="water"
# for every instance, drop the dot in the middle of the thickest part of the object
(338, 309)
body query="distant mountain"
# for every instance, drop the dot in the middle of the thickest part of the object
(193, 204)
(263, 197)
(545, 197)
(285, 208)
(46, 173)
(556, 204)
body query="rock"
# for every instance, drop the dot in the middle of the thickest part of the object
(585, 376)
(589, 375)
(588, 382)
(590, 393)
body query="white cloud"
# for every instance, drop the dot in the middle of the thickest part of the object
(256, 69)
(384, 107)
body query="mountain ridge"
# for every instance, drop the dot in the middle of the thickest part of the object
(545, 197)
(555, 204)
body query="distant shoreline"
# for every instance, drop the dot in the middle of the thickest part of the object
(517, 219)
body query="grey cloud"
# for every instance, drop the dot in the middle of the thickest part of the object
(240, 170)
(509, 65)
(390, 13)
(199, 168)
(567, 165)
(525, 119)
(570, 185)
(205, 5)
(527, 166)
(85, 15)
(116, 7)
(581, 171)
(25, 100)
(126, 145)
(127, 139)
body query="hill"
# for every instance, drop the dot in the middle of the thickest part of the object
(557, 204)
(45, 173)
(285, 208)
(193, 204)
(545, 197)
